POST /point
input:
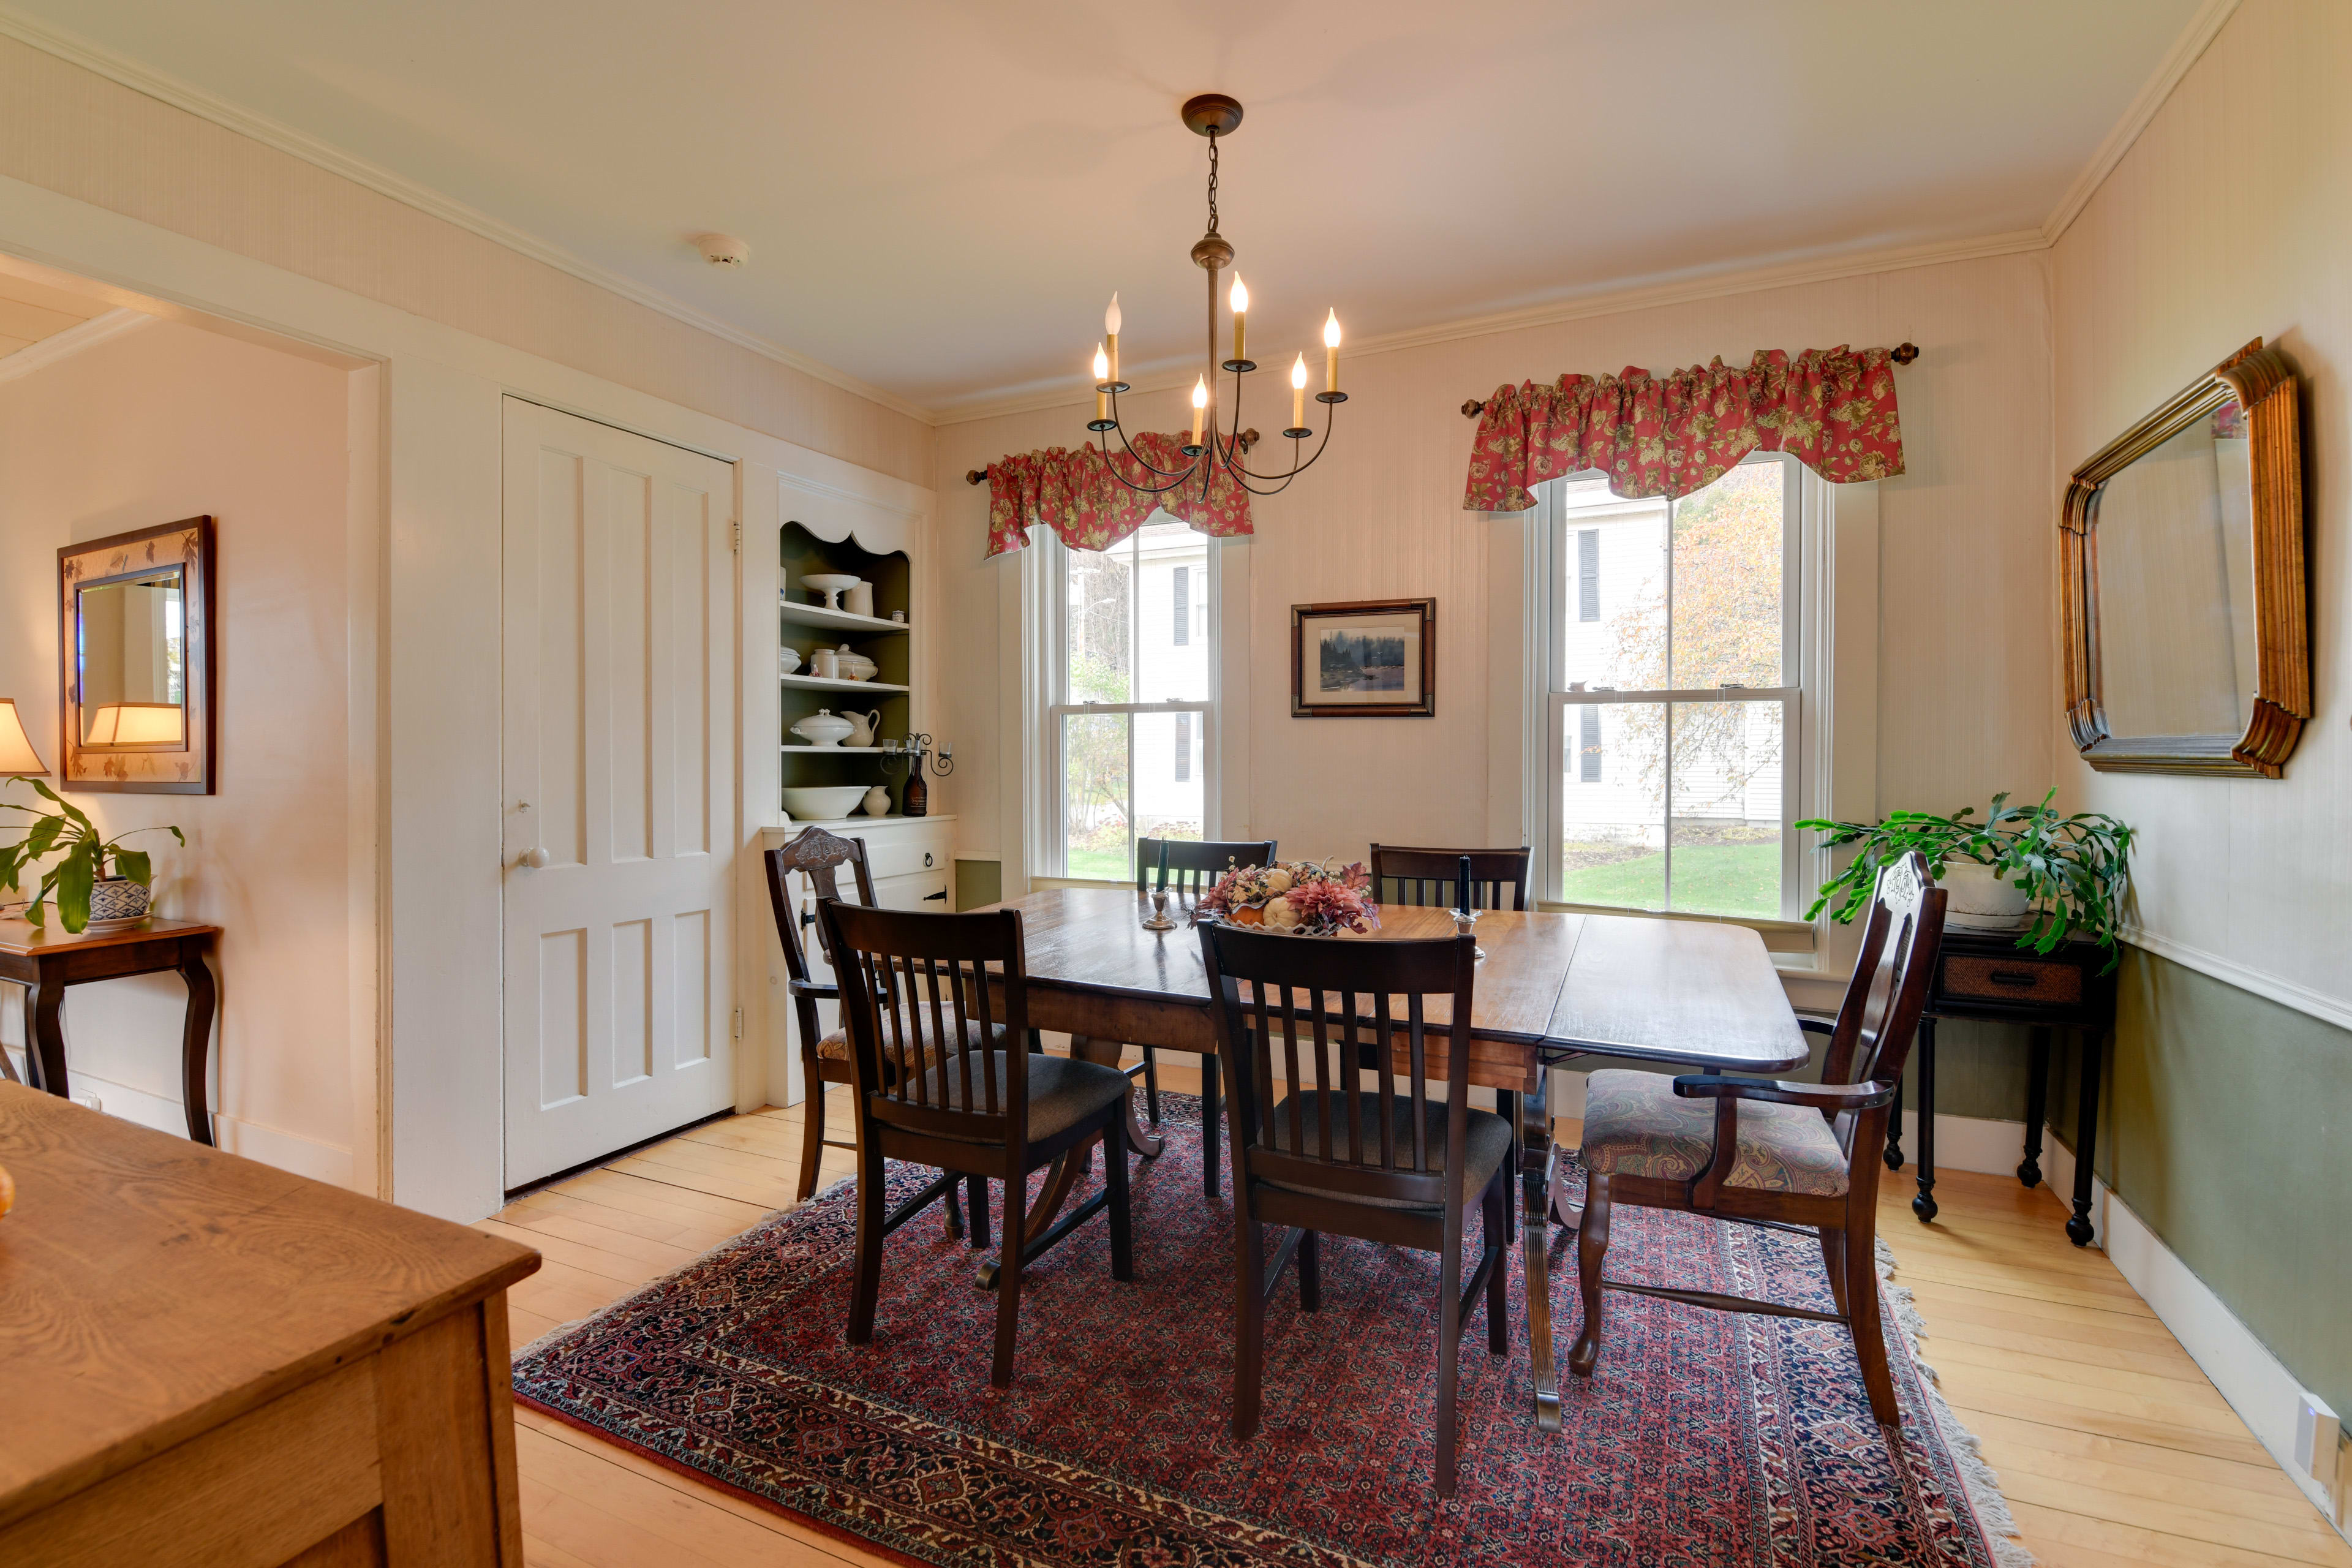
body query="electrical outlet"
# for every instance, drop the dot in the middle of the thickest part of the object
(2318, 1445)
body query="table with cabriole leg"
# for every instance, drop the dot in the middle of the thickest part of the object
(44, 960)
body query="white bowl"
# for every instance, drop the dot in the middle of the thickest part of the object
(823, 802)
(832, 584)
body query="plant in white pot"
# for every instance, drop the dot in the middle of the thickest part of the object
(2027, 868)
(79, 882)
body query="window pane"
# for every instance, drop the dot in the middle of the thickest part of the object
(1097, 591)
(1611, 590)
(1172, 581)
(1727, 815)
(1726, 580)
(1097, 807)
(1169, 799)
(1612, 824)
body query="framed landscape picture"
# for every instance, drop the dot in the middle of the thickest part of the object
(1374, 658)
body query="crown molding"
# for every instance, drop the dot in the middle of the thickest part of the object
(2185, 52)
(185, 96)
(1610, 301)
(72, 340)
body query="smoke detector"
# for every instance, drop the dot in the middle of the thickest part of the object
(723, 250)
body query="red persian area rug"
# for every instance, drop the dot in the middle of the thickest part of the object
(1705, 1439)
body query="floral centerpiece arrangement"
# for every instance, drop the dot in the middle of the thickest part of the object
(1300, 897)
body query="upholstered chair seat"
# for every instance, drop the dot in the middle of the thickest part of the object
(1636, 1125)
(835, 1047)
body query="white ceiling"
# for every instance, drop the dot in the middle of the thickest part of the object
(941, 195)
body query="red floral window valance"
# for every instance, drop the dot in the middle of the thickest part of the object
(1670, 435)
(1074, 494)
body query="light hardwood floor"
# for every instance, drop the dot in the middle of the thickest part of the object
(2112, 1446)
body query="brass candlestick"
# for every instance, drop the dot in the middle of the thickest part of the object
(1159, 918)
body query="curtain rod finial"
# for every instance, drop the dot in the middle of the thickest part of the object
(974, 476)
(1472, 409)
(1903, 353)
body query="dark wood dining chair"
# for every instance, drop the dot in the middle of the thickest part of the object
(819, 857)
(1782, 1154)
(1315, 1150)
(1193, 866)
(944, 1080)
(1433, 877)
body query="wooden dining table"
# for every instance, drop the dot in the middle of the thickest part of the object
(1550, 988)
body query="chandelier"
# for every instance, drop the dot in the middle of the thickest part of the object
(1212, 450)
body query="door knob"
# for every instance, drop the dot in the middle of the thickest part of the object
(534, 857)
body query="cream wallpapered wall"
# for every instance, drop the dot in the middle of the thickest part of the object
(1967, 677)
(75, 132)
(2227, 221)
(167, 422)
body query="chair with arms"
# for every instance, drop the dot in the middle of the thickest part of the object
(1432, 876)
(819, 856)
(1315, 1150)
(1787, 1155)
(1193, 866)
(945, 1078)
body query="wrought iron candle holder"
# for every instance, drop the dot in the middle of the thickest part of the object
(909, 755)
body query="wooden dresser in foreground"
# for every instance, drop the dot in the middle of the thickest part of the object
(206, 1360)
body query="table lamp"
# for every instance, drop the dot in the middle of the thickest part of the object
(18, 758)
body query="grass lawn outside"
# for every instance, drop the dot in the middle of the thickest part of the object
(1115, 865)
(1709, 879)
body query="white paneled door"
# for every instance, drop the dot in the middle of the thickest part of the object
(620, 789)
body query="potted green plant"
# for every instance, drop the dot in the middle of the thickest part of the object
(79, 881)
(2026, 868)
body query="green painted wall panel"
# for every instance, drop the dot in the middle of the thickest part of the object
(2228, 1128)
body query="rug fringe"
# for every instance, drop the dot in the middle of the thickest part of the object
(2002, 1532)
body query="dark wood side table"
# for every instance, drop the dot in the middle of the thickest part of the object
(46, 960)
(1986, 976)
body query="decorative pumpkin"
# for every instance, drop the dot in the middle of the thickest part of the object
(7, 1192)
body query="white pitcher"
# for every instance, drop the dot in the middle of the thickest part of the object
(861, 726)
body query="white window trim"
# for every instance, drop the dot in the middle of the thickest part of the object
(1042, 584)
(1833, 750)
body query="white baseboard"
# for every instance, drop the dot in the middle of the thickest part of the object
(2258, 1385)
(254, 1140)
(288, 1150)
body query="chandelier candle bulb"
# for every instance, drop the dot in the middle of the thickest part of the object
(1102, 383)
(1240, 298)
(1110, 332)
(1200, 404)
(1298, 393)
(1331, 352)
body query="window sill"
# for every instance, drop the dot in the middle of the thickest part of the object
(1790, 943)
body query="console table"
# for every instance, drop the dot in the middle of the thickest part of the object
(1986, 976)
(44, 960)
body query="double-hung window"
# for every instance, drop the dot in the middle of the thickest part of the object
(1131, 681)
(1679, 671)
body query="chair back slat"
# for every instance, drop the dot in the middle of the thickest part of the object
(1901, 937)
(1194, 864)
(1317, 1014)
(1425, 876)
(929, 1048)
(817, 858)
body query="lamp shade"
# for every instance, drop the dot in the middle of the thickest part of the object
(18, 757)
(160, 724)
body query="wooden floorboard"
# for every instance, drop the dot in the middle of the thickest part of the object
(2113, 1448)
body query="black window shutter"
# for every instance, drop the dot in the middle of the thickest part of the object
(1184, 742)
(1184, 605)
(1588, 742)
(1588, 573)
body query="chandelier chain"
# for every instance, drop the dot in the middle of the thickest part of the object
(1212, 182)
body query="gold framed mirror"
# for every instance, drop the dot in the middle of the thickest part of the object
(135, 666)
(2182, 581)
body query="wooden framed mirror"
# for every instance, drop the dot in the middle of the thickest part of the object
(2182, 581)
(135, 666)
